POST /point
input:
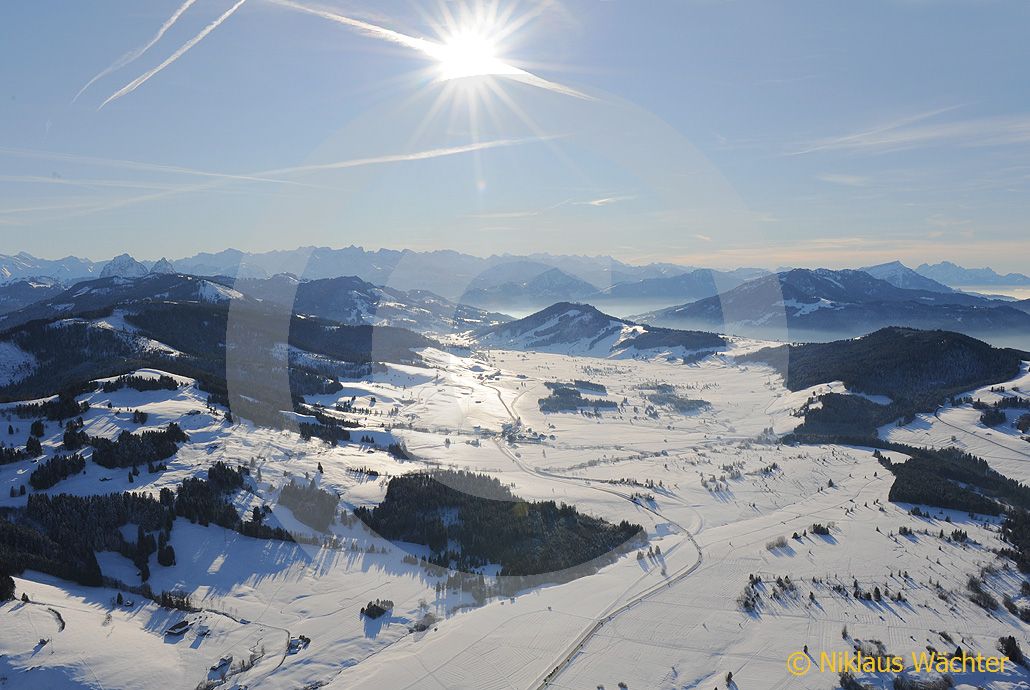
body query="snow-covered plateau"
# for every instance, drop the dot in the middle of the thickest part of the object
(754, 549)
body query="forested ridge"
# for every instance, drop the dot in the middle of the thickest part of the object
(73, 352)
(918, 370)
(472, 520)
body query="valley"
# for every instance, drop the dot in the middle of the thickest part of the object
(712, 487)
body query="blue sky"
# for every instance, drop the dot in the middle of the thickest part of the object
(707, 133)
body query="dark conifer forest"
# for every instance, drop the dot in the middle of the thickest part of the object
(472, 520)
(134, 449)
(917, 370)
(315, 507)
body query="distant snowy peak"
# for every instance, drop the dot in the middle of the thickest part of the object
(900, 275)
(24, 265)
(545, 287)
(163, 265)
(956, 276)
(580, 329)
(124, 266)
(691, 285)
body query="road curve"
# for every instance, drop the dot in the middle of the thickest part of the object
(574, 648)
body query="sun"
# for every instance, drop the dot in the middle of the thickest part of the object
(469, 54)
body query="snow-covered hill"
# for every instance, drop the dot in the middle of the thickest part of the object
(580, 329)
(104, 293)
(355, 301)
(20, 293)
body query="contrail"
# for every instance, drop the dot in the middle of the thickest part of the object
(77, 182)
(221, 179)
(135, 83)
(426, 154)
(420, 44)
(433, 49)
(132, 165)
(133, 55)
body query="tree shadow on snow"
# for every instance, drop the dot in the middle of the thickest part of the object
(373, 626)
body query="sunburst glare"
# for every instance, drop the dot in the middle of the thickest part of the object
(470, 54)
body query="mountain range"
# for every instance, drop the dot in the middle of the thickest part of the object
(957, 276)
(237, 346)
(396, 288)
(352, 300)
(803, 304)
(347, 300)
(447, 273)
(103, 294)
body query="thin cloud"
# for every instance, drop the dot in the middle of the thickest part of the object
(915, 131)
(844, 180)
(503, 215)
(511, 215)
(133, 55)
(605, 201)
(140, 80)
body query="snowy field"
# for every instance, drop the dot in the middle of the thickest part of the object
(719, 498)
(1002, 446)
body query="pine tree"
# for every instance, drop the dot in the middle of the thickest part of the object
(166, 556)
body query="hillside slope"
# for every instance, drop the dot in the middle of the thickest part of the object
(583, 330)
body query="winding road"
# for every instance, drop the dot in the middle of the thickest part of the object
(610, 614)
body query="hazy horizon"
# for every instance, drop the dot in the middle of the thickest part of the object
(638, 262)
